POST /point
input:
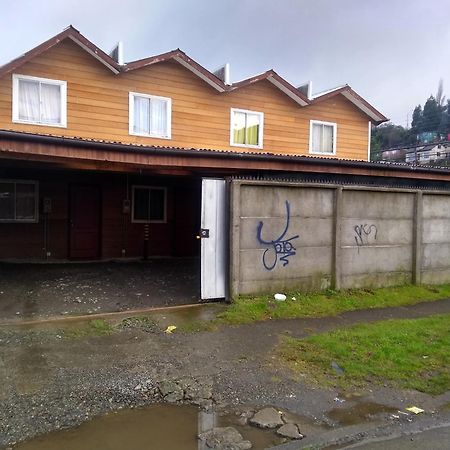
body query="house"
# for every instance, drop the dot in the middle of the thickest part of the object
(435, 153)
(102, 159)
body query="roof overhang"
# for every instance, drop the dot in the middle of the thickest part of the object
(204, 74)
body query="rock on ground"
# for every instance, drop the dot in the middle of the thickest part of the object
(267, 418)
(291, 431)
(225, 438)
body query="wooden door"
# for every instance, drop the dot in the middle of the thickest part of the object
(84, 222)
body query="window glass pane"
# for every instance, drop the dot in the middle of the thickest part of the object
(252, 129)
(327, 139)
(238, 128)
(157, 204)
(25, 201)
(6, 201)
(141, 204)
(50, 103)
(141, 115)
(317, 138)
(158, 117)
(29, 100)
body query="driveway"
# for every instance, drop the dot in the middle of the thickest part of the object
(43, 290)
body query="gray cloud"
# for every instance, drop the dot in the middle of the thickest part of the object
(392, 52)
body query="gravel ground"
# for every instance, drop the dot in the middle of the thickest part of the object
(42, 290)
(53, 379)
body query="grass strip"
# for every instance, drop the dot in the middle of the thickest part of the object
(407, 353)
(247, 309)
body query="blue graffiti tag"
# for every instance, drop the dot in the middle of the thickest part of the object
(279, 247)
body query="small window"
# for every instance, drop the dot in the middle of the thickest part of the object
(322, 138)
(18, 201)
(149, 204)
(246, 128)
(150, 116)
(39, 101)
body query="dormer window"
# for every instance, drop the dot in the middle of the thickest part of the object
(39, 101)
(150, 116)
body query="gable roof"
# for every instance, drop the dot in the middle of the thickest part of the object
(198, 70)
(352, 96)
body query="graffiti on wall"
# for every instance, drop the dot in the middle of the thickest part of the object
(279, 249)
(364, 233)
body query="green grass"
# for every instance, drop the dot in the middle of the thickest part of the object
(247, 309)
(410, 354)
(96, 327)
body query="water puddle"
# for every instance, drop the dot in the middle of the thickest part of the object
(158, 427)
(361, 411)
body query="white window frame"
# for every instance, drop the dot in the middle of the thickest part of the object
(321, 122)
(15, 103)
(131, 131)
(36, 201)
(260, 132)
(149, 188)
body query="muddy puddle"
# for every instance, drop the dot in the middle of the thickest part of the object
(158, 427)
(358, 412)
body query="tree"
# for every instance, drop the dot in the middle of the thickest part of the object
(417, 120)
(386, 136)
(444, 125)
(431, 115)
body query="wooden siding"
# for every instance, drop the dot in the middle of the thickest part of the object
(176, 237)
(98, 107)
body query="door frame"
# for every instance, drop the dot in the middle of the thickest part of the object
(70, 214)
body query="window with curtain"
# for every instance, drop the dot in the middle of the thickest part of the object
(246, 128)
(150, 115)
(149, 204)
(322, 137)
(39, 101)
(18, 201)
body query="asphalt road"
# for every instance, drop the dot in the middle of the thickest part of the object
(435, 439)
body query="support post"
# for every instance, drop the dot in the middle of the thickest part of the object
(235, 219)
(337, 220)
(417, 239)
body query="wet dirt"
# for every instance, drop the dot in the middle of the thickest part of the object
(68, 380)
(89, 288)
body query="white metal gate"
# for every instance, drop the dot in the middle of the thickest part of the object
(213, 239)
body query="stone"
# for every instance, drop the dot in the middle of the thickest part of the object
(173, 397)
(225, 438)
(267, 418)
(167, 387)
(291, 431)
(171, 391)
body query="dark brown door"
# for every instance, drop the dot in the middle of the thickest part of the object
(84, 222)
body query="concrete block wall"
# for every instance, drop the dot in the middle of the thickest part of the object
(435, 242)
(288, 236)
(376, 236)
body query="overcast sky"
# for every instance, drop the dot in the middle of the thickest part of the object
(392, 52)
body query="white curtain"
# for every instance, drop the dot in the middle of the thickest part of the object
(50, 103)
(158, 117)
(29, 102)
(322, 138)
(141, 115)
(317, 138)
(327, 142)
